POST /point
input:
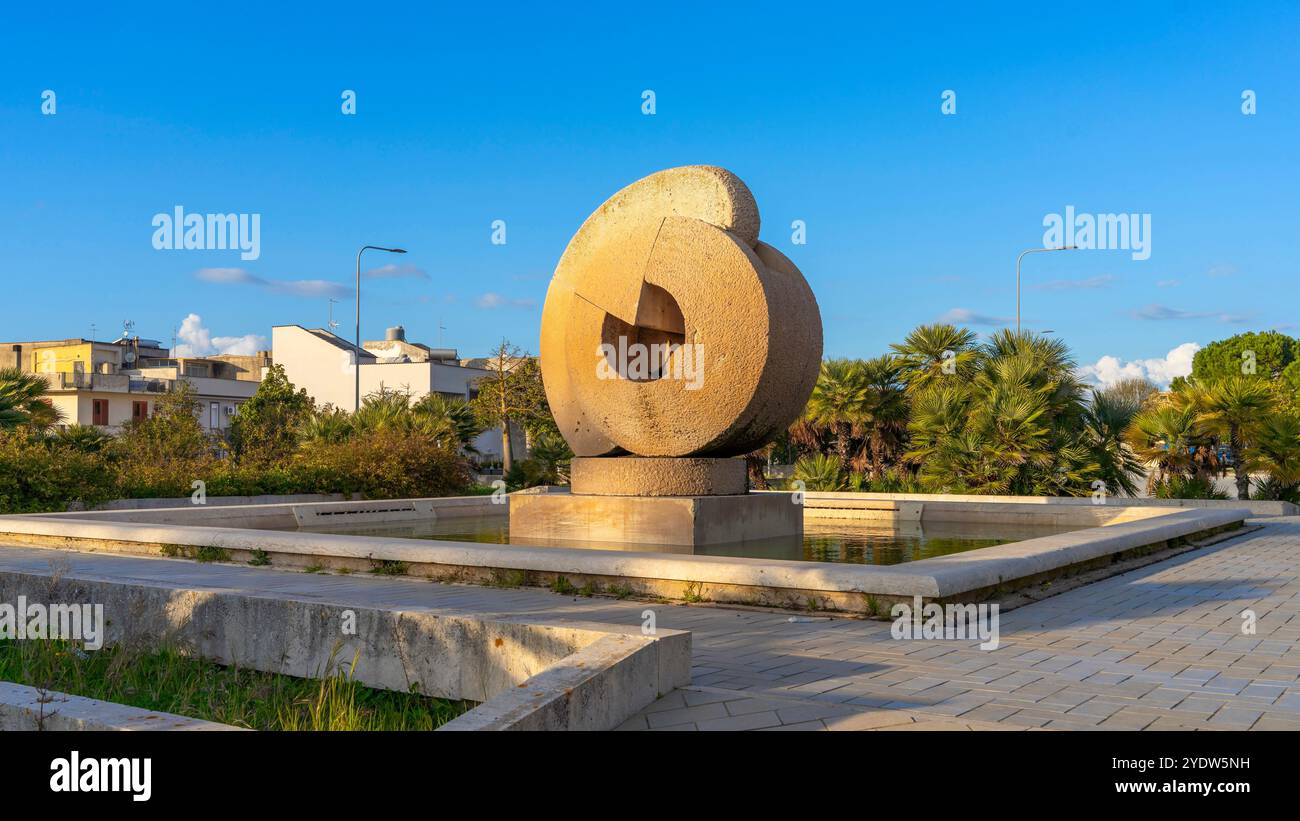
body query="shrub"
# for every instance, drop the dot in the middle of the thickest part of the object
(381, 464)
(1182, 487)
(37, 476)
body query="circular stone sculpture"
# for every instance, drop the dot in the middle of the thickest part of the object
(672, 265)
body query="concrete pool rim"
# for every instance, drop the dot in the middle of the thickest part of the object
(974, 575)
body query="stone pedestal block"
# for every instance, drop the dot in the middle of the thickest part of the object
(657, 476)
(652, 521)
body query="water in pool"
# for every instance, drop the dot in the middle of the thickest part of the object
(827, 540)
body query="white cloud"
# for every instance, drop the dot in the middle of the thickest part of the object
(1111, 369)
(965, 316)
(495, 300)
(193, 339)
(1156, 312)
(396, 271)
(1102, 281)
(294, 287)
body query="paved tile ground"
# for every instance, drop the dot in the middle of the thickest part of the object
(1161, 647)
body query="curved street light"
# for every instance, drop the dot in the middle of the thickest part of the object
(356, 354)
(1022, 256)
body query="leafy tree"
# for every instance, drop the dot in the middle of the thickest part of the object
(1132, 392)
(165, 453)
(267, 425)
(1272, 353)
(511, 393)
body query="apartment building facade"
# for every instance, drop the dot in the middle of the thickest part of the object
(108, 384)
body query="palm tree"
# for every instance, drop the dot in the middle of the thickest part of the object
(23, 402)
(1169, 437)
(820, 472)
(1106, 418)
(328, 425)
(447, 420)
(82, 438)
(385, 409)
(554, 455)
(1235, 409)
(931, 352)
(882, 417)
(838, 401)
(1276, 452)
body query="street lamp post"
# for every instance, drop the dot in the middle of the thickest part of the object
(356, 354)
(1022, 256)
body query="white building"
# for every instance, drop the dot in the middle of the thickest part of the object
(322, 363)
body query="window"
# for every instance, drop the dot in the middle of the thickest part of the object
(99, 411)
(139, 411)
(214, 415)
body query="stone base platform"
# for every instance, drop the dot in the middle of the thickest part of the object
(662, 521)
(657, 476)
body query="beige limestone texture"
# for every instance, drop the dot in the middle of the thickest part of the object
(657, 476)
(676, 257)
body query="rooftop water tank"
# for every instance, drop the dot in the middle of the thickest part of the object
(395, 334)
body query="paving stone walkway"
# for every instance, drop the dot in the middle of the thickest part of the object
(1161, 647)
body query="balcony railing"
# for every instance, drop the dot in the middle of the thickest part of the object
(119, 382)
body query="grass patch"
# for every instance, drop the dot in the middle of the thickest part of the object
(563, 586)
(204, 553)
(174, 681)
(508, 579)
(260, 558)
(389, 567)
(694, 593)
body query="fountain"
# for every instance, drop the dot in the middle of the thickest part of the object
(673, 342)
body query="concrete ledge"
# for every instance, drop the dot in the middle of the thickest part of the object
(854, 588)
(454, 656)
(26, 708)
(954, 506)
(868, 509)
(224, 501)
(294, 514)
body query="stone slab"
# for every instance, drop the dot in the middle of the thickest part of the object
(24, 708)
(454, 656)
(653, 521)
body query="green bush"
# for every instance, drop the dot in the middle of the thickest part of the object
(382, 464)
(1182, 487)
(37, 476)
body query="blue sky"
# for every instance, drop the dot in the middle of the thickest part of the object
(533, 115)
